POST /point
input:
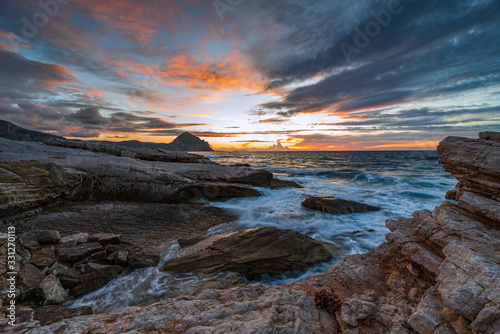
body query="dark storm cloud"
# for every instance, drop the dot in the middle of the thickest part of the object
(22, 78)
(87, 122)
(433, 47)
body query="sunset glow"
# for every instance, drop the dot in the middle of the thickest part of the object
(251, 73)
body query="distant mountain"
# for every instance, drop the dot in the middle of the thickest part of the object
(184, 142)
(13, 132)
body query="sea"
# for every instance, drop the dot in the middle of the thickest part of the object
(399, 182)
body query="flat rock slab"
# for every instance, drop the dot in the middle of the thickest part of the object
(148, 224)
(254, 251)
(337, 205)
(78, 252)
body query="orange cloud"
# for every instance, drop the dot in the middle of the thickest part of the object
(228, 73)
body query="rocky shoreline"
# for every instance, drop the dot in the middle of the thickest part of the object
(438, 272)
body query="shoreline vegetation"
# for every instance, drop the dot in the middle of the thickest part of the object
(87, 213)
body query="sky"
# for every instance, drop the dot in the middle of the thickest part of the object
(253, 74)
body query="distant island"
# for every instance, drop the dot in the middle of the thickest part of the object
(184, 142)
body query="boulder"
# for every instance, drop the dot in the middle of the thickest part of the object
(337, 205)
(30, 279)
(141, 257)
(69, 277)
(98, 277)
(50, 314)
(105, 238)
(78, 252)
(43, 258)
(53, 291)
(42, 236)
(254, 251)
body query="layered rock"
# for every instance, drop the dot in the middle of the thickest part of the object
(254, 251)
(337, 205)
(438, 272)
(82, 174)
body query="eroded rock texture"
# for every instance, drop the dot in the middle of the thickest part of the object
(438, 272)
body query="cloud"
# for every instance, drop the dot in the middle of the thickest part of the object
(432, 48)
(22, 77)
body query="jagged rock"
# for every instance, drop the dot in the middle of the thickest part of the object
(253, 251)
(53, 291)
(439, 271)
(43, 236)
(78, 252)
(474, 162)
(105, 238)
(47, 315)
(251, 309)
(98, 277)
(43, 258)
(141, 257)
(337, 205)
(277, 184)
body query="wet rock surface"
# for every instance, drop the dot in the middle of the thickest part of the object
(254, 251)
(337, 205)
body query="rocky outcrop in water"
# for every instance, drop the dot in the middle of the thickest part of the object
(253, 252)
(337, 205)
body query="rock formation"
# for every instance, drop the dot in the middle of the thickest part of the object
(253, 252)
(337, 205)
(438, 272)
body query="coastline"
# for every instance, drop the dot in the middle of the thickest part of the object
(407, 284)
